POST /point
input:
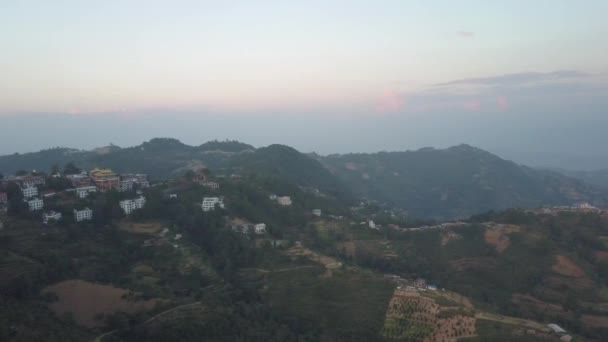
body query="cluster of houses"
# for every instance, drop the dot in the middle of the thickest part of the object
(281, 200)
(129, 205)
(576, 208)
(84, 184)
(418, 284)
(104, 180)
(258, 229)
(209, 203)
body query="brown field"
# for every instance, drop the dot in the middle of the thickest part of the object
(499, 237)
(557, 283)
(530, 305)
(594, 322)
(141, 228)
(85, 301)
(472, 264)
(566, 267)
(299, 251)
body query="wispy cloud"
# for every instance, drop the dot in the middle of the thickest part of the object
(517, 78)
(502, 93)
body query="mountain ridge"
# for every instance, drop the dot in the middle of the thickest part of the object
(454, 182)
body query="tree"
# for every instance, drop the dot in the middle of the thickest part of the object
(71, 169)
(54, 169)
(21, 173)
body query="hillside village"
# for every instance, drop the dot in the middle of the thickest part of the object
(304, 226)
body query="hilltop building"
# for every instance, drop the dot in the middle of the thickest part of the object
(132, 204)
(79, 180)
(316, 212)
(105, 179)
(260, 228)
(51, 216)
(29, 191)
(84, 191)
(210, 202)
(85, 214)
(284, 200)
(211, 185)
(35, 204)
(128, 181)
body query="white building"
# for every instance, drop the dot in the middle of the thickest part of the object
(316, 212)
(284, 200)
(132, 204)
(35, 204)
(210, 202)
(211, 185)
(273, 197)
(260, 228)
(172, 196)
(84, 191)
(372, 225)
(126, 185)
(29, 191)
(82, 215)
(51, 216)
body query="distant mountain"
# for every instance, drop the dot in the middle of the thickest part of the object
(225, 146)
(596, 177)
(159, 157)
(286, 163)
(454, 182)
(428, 183)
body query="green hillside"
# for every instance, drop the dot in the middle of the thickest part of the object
(454, 182)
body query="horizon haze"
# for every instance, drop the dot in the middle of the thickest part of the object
(528, 81)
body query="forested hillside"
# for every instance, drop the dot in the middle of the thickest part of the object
(454, 182)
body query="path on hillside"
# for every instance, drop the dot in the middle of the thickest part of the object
(171, 310)
(100, 337)
(276, 271)
(510, 320)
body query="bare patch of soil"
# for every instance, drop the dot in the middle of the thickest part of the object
(499, 237)
(87, 301)
(141, 228)
(594, 322)
(566, 267)
(299, 251)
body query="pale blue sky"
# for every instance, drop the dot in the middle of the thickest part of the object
(370, 66)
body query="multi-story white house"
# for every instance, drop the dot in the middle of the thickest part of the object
(126, 185)
(85, 214)
(35, 204)
(132, 204)
(316, 212)
(284, 200)
(51, 216)
(210, 202)
(260, 228)
(29, 191)
(84, 191)
(211, 185)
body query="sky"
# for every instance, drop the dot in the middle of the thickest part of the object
(525, 79)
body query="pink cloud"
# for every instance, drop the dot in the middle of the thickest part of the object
(502, 103)
(465, 34)
(391, 102)
(474, 105)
